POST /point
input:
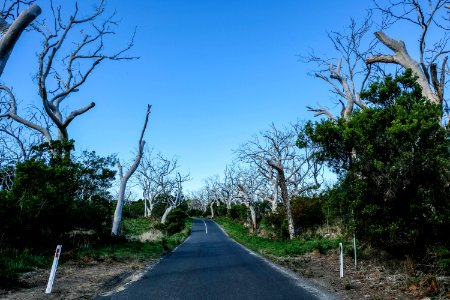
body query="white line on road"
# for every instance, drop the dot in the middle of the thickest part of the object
(206, 227)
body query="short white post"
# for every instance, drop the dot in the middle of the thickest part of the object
(354, 248)
(53, 271)
(341, 260)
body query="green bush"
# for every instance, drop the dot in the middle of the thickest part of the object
(176, 221)
(307, 212)
(238, 212)
(277, 223)
(392, 159)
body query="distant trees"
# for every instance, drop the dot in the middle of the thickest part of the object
(289, 170)
(159, 178)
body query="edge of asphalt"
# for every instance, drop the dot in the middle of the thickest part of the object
(311, 287)
(135, 276)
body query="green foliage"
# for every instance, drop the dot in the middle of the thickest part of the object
(121, 250)
(13, 262)
(133, 209)
(276, 222)
(53, 196)
(176, 221)
(238, 212)
(443, 257)
(276, 247)
(393, 160)
(307, 212)
(172, 241)
(136, 226)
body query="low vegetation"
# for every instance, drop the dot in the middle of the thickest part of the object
(278, 247)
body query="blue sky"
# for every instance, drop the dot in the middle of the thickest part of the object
(216, 73)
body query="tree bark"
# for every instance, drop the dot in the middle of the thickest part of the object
(285, 196)
(252, 216)
(166, 213)
(14, 31)
(401, 57)
(212, 209)
(115, 231)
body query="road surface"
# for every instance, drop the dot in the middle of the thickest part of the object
(209, 265)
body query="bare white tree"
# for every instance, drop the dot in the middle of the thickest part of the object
(71, 50)
(347, 74)
(228, 186)
(155, 178)
(13, 24)
(115, 231)
(213, 192)
(175, 200)
(431, 65)
(274, 153)
(249, 183)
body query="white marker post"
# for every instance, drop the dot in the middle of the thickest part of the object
(354, 248)
(341, 260)
(48, 290)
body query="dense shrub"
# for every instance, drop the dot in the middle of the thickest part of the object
(176, 221)
(238, 212)
(133, 209)
(307, 212)
(277, 223)
(53, 196)
(393, 163)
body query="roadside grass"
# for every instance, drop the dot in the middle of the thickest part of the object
(13, 262)
(266, 246)
(137, 226)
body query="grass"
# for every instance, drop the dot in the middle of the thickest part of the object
(137, 226)
(277, 247)
(13, 262)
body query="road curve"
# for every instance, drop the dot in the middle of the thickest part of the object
(209, 265)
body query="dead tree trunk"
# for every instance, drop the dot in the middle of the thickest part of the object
(285, 196)
(166, 213)
(12, 32)
(115, 231)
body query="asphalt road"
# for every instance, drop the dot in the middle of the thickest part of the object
(209, 265)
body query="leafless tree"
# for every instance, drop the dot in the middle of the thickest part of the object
(71, 50)
(199, 199)
(249, 183)
(125, 177)
(13, 24)
(155, 176)
(228, 186)
(431, 65)
(213, 192)
(159, 176)
(275, 154)
(346, 74)
(175, 200)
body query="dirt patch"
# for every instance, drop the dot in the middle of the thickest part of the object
(75, 281)
(371, 280)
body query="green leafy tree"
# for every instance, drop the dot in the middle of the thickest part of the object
(53, 195)
(393, 161)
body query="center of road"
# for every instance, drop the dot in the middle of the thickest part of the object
(212, 266)
(206, 227)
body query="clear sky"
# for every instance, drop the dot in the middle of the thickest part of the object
(216, 72)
